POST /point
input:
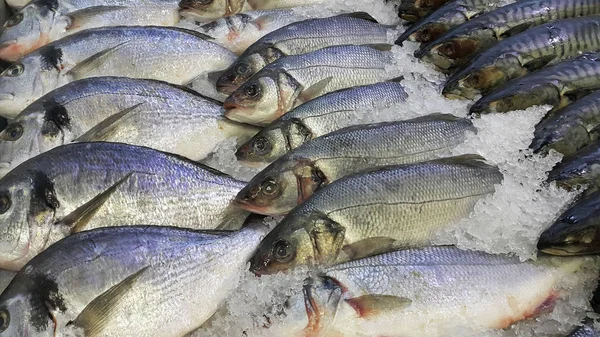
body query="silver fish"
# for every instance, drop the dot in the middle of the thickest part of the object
(82, 186)
(318, 117)
(433, 291)
(41, 21)
(300, 38)
(375, 211)
(124, 281)
(214, 9)
(293, 80)
(124, 110)
(170, 54)
(294, 177)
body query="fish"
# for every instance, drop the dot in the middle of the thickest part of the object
(123, 110)
(569, 129)
(5, 278)
(294, 177)
(413, 10)
(399, 206)
(316, 118)
(432, 291)
(576, 231)
(81, 186)
(293, 80)
(586, 330)
(455, 48)
(301, 38)
(16, 4)
(523, 53)
(582, 167)
(448, 16)
(205, 10)
(239, 31)
(3, 13)
(42, 21)
(556, 85)
(113, 281)
(101, 52)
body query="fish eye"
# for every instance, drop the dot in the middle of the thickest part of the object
(4, 204)
(282, 251)
(4, 320)
(252, 90)
(425, 34)
(269, 187)
(15, 20)
(474, 80)
(14, 70)
(242, 69)
(13, 132)
(261, 145)
(448, 49)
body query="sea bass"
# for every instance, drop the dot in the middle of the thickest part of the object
(294, 177)
(214, 9)
(376, 211)
(42, 21)
(123, 110)
(318, 117)
(300, 38)
(162, 53)
(433, 291)
(81, 186)
(293, 80)
(119, 281)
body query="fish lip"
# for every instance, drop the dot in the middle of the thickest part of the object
(247, 206)
(7, 43)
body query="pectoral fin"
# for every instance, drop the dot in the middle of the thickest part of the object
(93, 62)
(373, 305)
(367, 247)
(81, 17)
(103, 130)
(515, 30)
(316, 89)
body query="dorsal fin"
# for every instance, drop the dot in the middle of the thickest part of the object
(360, 15)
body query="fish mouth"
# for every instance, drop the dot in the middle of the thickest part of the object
(10, 50)
(227, 89)
(247, 206)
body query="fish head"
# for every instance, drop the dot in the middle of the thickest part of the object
(571, 235)
(564, 135)
(573, 172)
(239, 72)
(452, 52)
(204, 10)
(20, 85)
(22, 315)
(516, 95)
(265, 147)
(299, 239)
(262, 99)
(429, 4)
(468, 84)
(428, 33)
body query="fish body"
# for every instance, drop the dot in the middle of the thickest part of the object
(318, 117)
(238, 32)
(294, 177)
(457, 47)
(136, 52)
(292, 80)
(124, 281)
(576, 231)
(432, 291)
(552, 85)
(571, 128)
(81, 186)
(203, 10)
(582, 167)
(123, 110)
(301, 38)
(524, 53)
(375, 211)
(586, 330)
(41, 21)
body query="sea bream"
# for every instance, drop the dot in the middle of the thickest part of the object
(433, 291)
(173, 55)
(294, 177)
(123, 110)
(42, 21)
(319, 117)
(214, 9)
(126, 281)
(460, 45)
(81, 186)
(293, 80)
(376, 211)
(303, 37)
(523, 53)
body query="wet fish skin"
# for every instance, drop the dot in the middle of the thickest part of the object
(420, 292)
(81, 186)
(294, 177)
(569, 129)
(293, 80)
(40, 21)
(457, 47)
(413, 10)
(150, 110)
(301, 38)
(238, 32)
(524, 53)
(582, 167)
(553, 85)
(376, 211)
(101, 51)
(147, 268)
(203, 11)
(586, 330)
(316, 118)
(576, 231)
